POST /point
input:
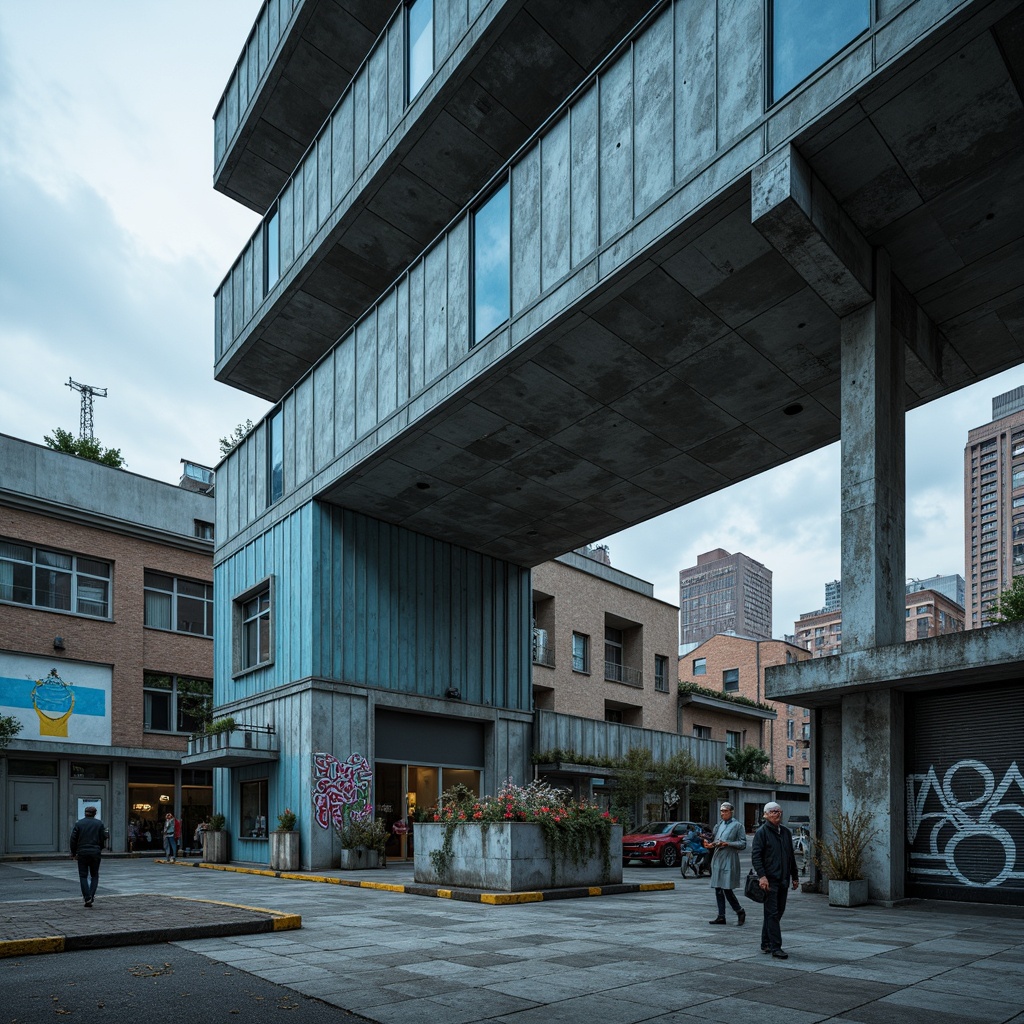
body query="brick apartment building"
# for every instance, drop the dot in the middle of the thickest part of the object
(106, 650)
(735, 667)
(603, 646)
(994, 505)
(930, 611)
(724, 593)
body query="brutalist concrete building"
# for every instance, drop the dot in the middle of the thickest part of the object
(531, 271)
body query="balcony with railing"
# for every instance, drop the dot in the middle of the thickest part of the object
(232, 748)
(614, 672)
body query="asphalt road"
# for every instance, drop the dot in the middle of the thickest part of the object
(160, 984)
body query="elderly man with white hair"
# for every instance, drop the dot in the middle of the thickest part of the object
(771, 856)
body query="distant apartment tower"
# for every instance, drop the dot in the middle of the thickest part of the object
(934, 607)
(994, 505)
(724, 593)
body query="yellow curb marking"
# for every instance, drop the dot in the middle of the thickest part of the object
(657, 886)
(445, 894)
(595, 890)
(29, 947)
(282, 920)
(501, 899)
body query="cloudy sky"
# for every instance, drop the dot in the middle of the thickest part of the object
(114, 241)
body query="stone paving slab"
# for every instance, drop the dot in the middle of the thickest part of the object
(30, 927)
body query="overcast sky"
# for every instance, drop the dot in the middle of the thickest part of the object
(114, 242)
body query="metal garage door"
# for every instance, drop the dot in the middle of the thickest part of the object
(965, 794)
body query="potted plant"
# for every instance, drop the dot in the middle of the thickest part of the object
(362, 842)
(215, 840)
(284, 843)
(841, 857)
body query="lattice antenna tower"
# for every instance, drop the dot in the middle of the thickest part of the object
(88, 392)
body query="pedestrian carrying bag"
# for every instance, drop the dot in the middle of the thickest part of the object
(752, 888)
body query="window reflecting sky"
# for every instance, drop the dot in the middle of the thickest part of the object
(805, 33)
(421, 44)
(491, 249)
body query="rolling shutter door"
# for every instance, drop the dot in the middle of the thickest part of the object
(965, 794)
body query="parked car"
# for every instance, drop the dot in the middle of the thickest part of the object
(657, 842)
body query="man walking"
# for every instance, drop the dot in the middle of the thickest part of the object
(88, 838)
(771, 856)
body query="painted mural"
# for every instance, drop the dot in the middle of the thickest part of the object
(341, 790)
(968, 827)
(56, 701)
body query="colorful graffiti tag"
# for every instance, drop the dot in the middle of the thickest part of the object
(341, 789)
(966, 810)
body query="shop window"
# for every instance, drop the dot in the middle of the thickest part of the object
(253, 809)
(806, 33)
(184, 606)
(174, 703)
(731, 680)
(700, 666)
(90, 771)
(580, 653)
(492, 232)
(419, 27)
(54, 580)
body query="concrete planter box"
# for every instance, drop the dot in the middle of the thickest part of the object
(359, 857)
(510, 857)
(215, 846)
(284, 851)
(847, 894)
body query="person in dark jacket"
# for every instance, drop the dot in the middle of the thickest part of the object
(771, 856)
(88, 838)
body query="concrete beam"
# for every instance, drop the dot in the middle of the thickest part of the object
(794, 211)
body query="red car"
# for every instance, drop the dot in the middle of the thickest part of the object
(657, 842)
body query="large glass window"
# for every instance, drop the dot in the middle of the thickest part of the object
(806, 33)
(185, 606)
(275, 457)
(253, 809)
(53, 579)
(613, 654)
(175, 703)
(420, 31)
(491, 264)
(272, 251)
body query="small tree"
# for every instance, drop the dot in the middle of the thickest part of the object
(231, 441)
(84, 448)
(9, 728)
(1009, 606)
(748, 764)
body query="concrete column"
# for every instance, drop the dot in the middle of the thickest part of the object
(873, 477)
(827, 772)
(873, 745)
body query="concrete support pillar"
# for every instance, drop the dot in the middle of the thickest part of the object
(873, 475)
(826, 772)
(872, 746)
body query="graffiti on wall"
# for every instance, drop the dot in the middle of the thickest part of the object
(966, 827)
(341, 789)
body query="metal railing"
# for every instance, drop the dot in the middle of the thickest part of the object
(616, 673)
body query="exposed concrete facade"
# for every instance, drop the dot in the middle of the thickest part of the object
(60, 510)
(701, 285)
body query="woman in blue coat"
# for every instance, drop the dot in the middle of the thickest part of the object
(729, 839)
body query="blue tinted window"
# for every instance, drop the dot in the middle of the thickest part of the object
(806, 33)
(421, 44)
(272, 252)
(491, 261)
(275, 457)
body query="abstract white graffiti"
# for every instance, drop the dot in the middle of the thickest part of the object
(963, 819)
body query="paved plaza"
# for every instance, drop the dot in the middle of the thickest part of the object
(393, 957)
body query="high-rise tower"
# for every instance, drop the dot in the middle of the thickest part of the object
(724, 593)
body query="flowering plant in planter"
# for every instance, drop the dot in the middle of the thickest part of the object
(570, 827)
(286, 821)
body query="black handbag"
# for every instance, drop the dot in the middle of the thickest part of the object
(752, 888)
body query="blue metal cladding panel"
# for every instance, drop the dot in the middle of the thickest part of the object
(404, 612)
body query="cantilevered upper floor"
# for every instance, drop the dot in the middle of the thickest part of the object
(445, 95)
(298, 58)
(644, 306)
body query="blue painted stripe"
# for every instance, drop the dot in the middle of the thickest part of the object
(17, 693)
